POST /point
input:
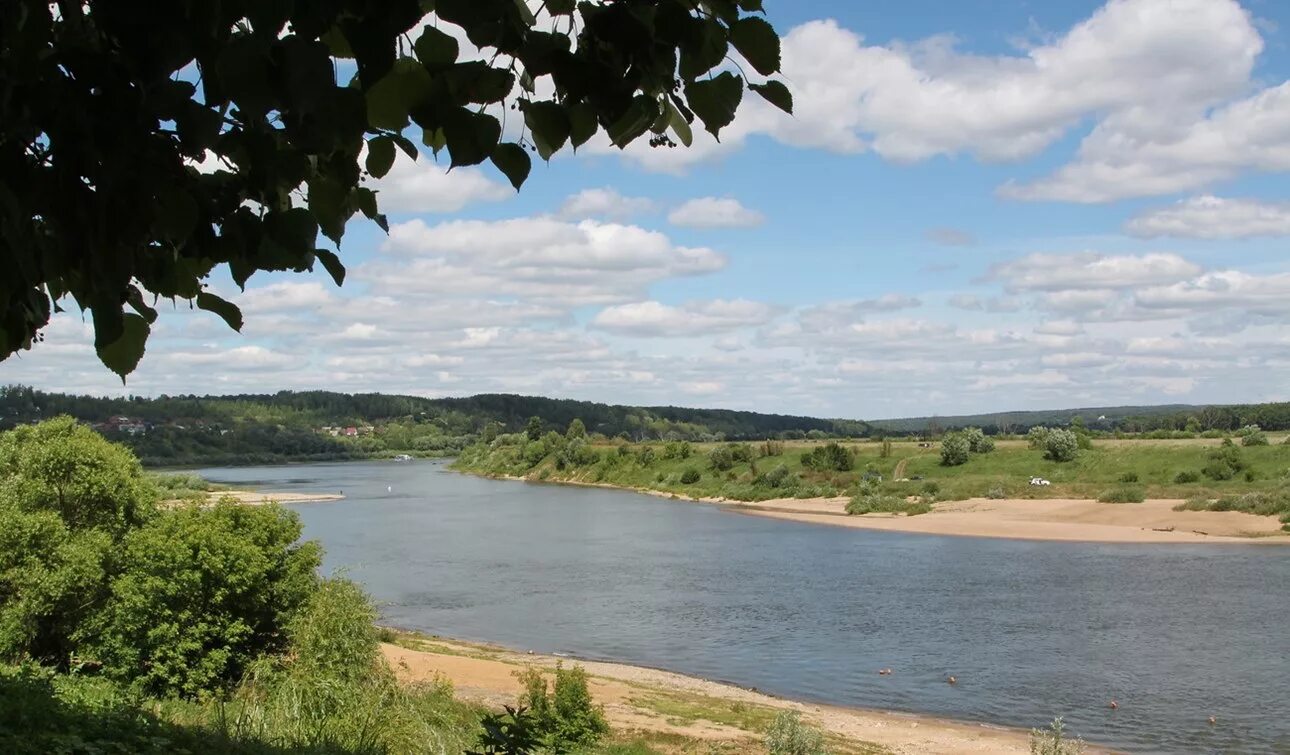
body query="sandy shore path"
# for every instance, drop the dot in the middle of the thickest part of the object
(1043, 519)
(647, 700)
(259, 498)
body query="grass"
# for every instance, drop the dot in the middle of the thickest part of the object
(1123, 494)
(1263, 503)
(1162, 468)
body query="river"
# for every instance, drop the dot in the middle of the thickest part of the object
(1031, 630)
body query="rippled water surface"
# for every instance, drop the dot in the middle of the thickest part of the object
(1031, 630)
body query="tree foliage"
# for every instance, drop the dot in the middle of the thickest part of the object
(1061, 445)
(830, 457)
(107, 108)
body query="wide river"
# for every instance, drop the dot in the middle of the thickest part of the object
(1174, 633)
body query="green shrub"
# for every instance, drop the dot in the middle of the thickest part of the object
(201, 592)
(1224, 462)
(1129, 477)
(1061, 445)
(955, 450)
(1186, 477)
(996, 493)
(1123, 494)
(677, 450)
(771, 448)
(788, 735)
(690, 476)
(978, 441)
(872, 503)
(721, 458)
(779, 477)
(1053, 741)
(1252, 435)
(1037, 438)
(830, 457)
(564, 716)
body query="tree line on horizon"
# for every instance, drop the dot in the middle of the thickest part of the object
(261, 428)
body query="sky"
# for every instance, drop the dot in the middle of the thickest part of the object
(977, 206)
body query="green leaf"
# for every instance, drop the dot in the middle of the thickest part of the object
(549, 125)
(398, 92)
(715, 100)
(640, 114)
(471, 137)
(176, 215)
(327, 203)
(757, 41)
(704, 47)
(227, 310)
(583, 124)
(435, 50)
(560, 7)
(776, 94)
(512, 160)
(406, 145)
(332, 264)
(680, 126)
(380, 156)
(123, 355)
(525, 13)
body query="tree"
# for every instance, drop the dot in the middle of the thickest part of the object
(955, 449)
(831, 456)
(107, 107)
(978, 441)
(534, 428)
(577, 430)
(1061, 445)
(1037, 438)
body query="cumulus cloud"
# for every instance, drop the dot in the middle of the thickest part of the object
(1089, 270)
(1211, 217)
(714, 212)
(974, 303)
(426, 186)
(652, 318)
(605, 203)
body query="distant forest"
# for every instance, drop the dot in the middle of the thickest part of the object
(322, 425)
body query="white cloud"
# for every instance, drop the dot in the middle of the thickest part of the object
(426, 186)
(974, 303)
(1126, 158)
(1269, 294)
(1059, 328)
(651, 318)
(1210, 217)
(537, 259)
(714, 212)
(1089, 270)
(605, 203)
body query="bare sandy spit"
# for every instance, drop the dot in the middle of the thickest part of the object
(635, 699)
(1066, 519)
(1050, 519)
(258, 498)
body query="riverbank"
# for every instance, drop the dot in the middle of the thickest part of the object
(260, 498)
(688, 711)
(1042, 519)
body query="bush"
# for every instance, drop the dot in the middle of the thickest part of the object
(830, 457)
(955, 450)
(1224, 462)
(1129, 477)
(996, 493)
(677, 450)
(1252, 435)
(978, 441)
(721, 459)
(789, 736)
(1123, 494)
(874, 503)
(201, 593)
(779, 477)
(1061, 445)
(690, 476)
(771, 448)
(1037, 438)
(1053, 741)
(1186, 477)
(564, 716)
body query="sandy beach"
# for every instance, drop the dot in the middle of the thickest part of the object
(1076, 520)
(258, 498)
(643, 699)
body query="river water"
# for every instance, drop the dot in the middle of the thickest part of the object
(1174, 633)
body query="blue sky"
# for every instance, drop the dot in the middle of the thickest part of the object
(977, 206)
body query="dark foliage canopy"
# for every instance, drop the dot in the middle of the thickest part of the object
(106, 108)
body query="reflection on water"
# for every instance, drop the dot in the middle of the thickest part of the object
(1031, 630)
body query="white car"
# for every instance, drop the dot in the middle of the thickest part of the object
(1039, 481)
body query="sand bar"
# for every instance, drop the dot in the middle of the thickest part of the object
(258, 498)
(485, 674)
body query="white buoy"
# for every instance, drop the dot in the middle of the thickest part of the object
(389, 488)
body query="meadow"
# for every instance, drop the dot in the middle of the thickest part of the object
(1154, 468)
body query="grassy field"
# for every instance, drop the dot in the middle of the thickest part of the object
(1152, 467)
